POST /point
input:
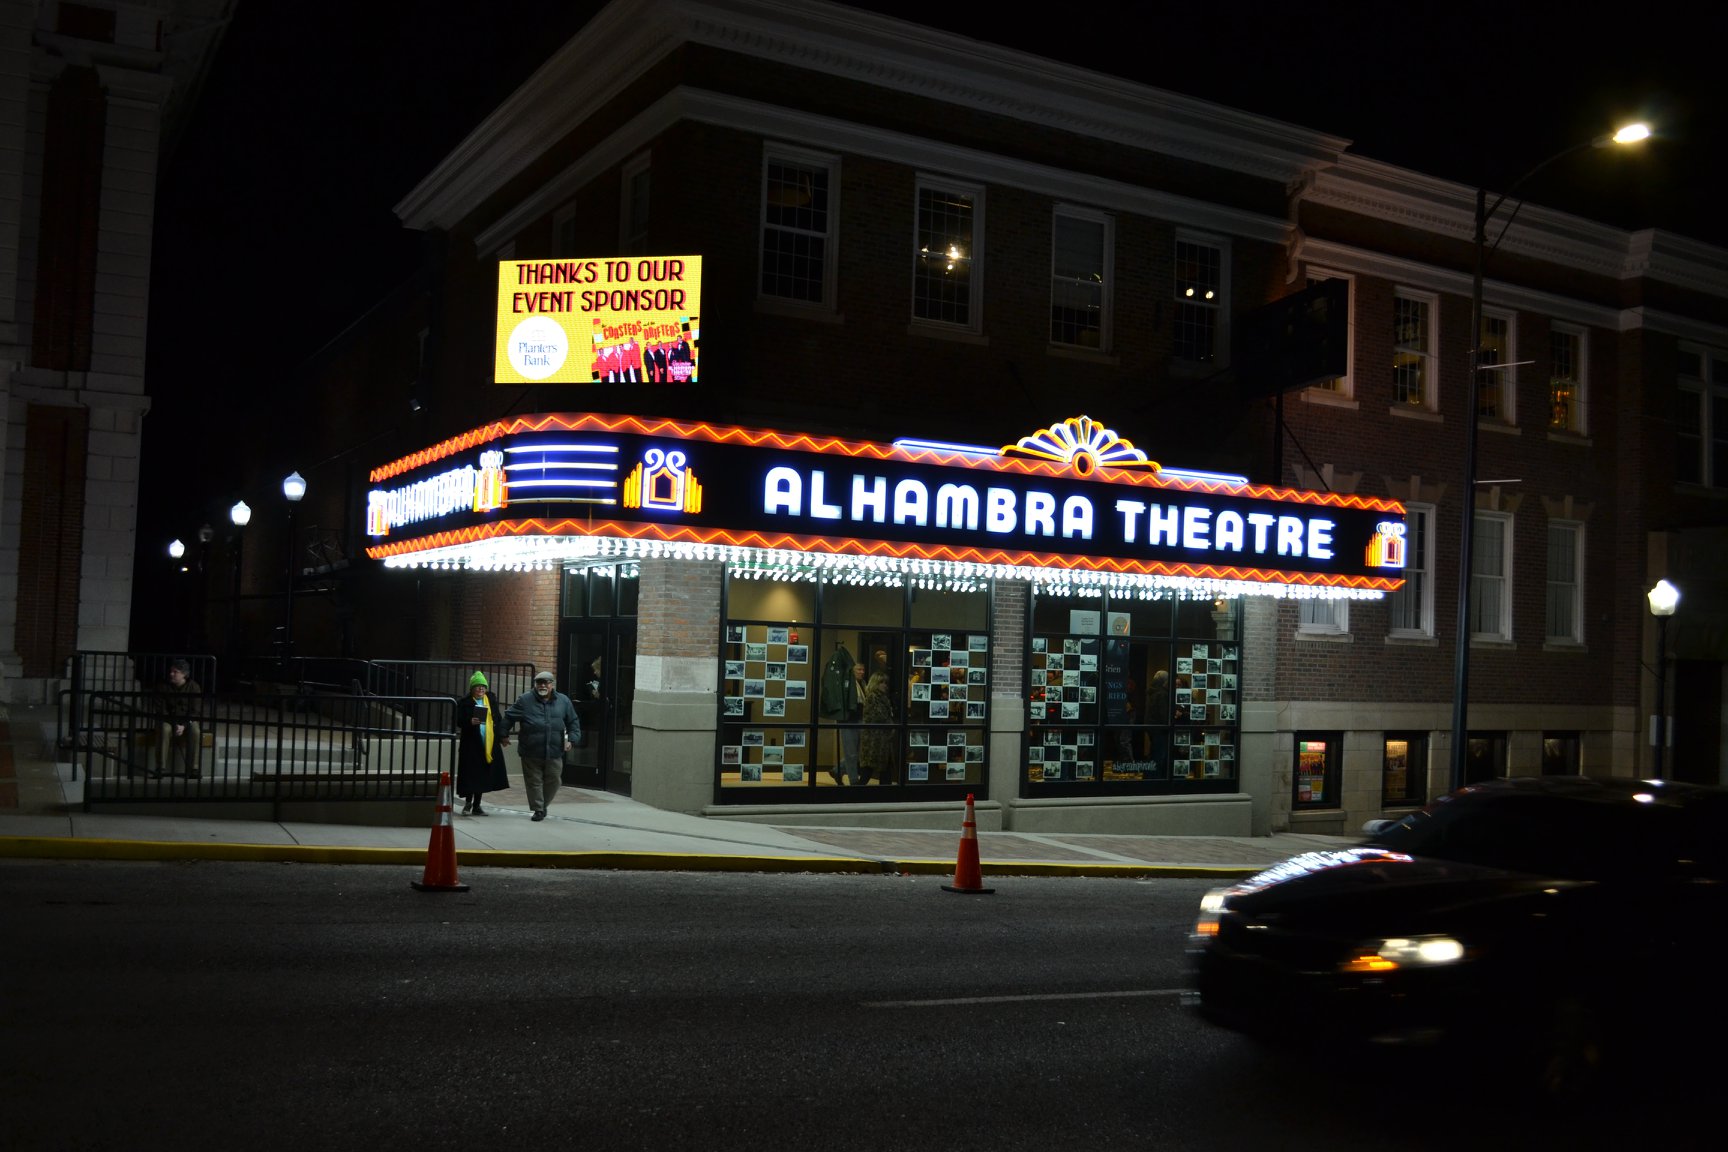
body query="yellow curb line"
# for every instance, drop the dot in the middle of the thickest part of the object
(77, 848)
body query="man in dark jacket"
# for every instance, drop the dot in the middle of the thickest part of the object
(547, 727)
(177, 719)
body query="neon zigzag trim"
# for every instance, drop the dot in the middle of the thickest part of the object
(848, 547)
(805, 442)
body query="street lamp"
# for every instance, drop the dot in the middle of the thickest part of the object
(1664, 598)
(176, 549)
(293, 490)
(1630, 134)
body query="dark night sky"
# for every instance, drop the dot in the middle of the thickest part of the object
(318, 116)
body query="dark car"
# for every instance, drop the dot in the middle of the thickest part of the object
(1572, 929)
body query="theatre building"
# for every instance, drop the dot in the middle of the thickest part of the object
(857, 416)
(1055, 625)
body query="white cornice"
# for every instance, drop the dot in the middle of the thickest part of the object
(628, 37)
(1344, 258)
(1415, 274)
(778, 122)
(1428, 204)
(1683, 327)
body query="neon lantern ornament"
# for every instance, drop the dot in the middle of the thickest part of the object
(661, 482)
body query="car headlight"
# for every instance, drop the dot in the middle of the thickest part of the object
(1405, 952)
(1206, 924)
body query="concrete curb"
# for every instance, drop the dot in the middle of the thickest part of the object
(64, 848)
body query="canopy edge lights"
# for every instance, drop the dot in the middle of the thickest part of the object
(544, 553)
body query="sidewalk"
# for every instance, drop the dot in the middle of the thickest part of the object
(41, 816)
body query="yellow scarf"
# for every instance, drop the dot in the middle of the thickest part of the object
(486, 726)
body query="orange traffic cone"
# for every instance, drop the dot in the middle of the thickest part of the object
(967, 877)
(441, 849)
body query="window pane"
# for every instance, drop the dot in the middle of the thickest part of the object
(1487, 584)
(942, 276)
(1199, 288)
(1565, 393)
(1689, 437)
(1410, 351)
(1496, 341)
(795, 232)
(1406, 605)
(1562, 582)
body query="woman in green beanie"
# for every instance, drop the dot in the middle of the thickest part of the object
(480, 744)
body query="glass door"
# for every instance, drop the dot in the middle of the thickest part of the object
(618, 696)
(597, 650)
(585, 659)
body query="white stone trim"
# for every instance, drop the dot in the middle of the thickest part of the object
(629, 37)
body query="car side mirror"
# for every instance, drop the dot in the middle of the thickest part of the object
(1375, 827)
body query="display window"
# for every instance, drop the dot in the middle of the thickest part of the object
(1404, 769)
(1128, 695)
(833, 686)
(1318, 756)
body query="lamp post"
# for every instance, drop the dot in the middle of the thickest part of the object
(293, 490)
(1631, 134)
(1664, 598)
(240, 515)
(177, 553)
(205, 534)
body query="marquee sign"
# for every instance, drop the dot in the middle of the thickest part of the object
(1075, 496)
(629, 320)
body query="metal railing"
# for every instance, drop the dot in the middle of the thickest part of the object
(297, 729)
(507, 679)
(266, 748)
(93, 675)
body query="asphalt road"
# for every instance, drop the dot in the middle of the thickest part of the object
(266, 1006)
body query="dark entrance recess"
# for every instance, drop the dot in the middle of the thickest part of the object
(597, 653)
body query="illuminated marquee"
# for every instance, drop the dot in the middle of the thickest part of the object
(630, 320)
(902, 505)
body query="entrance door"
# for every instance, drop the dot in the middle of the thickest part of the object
(600, 663)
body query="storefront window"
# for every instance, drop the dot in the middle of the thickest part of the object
(1404, 769)
(832, 686)
(1317, 774)
(1560, 754)
(1118, 704)
(1484, 757)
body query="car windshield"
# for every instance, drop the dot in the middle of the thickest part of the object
(1571, 837)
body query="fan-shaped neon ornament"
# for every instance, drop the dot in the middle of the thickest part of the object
(1083, 444)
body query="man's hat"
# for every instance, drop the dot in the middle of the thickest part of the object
(478, 678)
(544, 676)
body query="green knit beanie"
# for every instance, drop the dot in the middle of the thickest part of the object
(478, 678)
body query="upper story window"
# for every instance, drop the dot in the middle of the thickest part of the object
(1496, 381)
(633, 208)
(1565, 582)
(1201, 294)
(1338, 385)
(1568, 395)
(1701, 418)
(1413, 350)
(1411, 608)
(946, 284)
(564, 230)
(1491, 577)
(799, 218)
(1081, 247)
